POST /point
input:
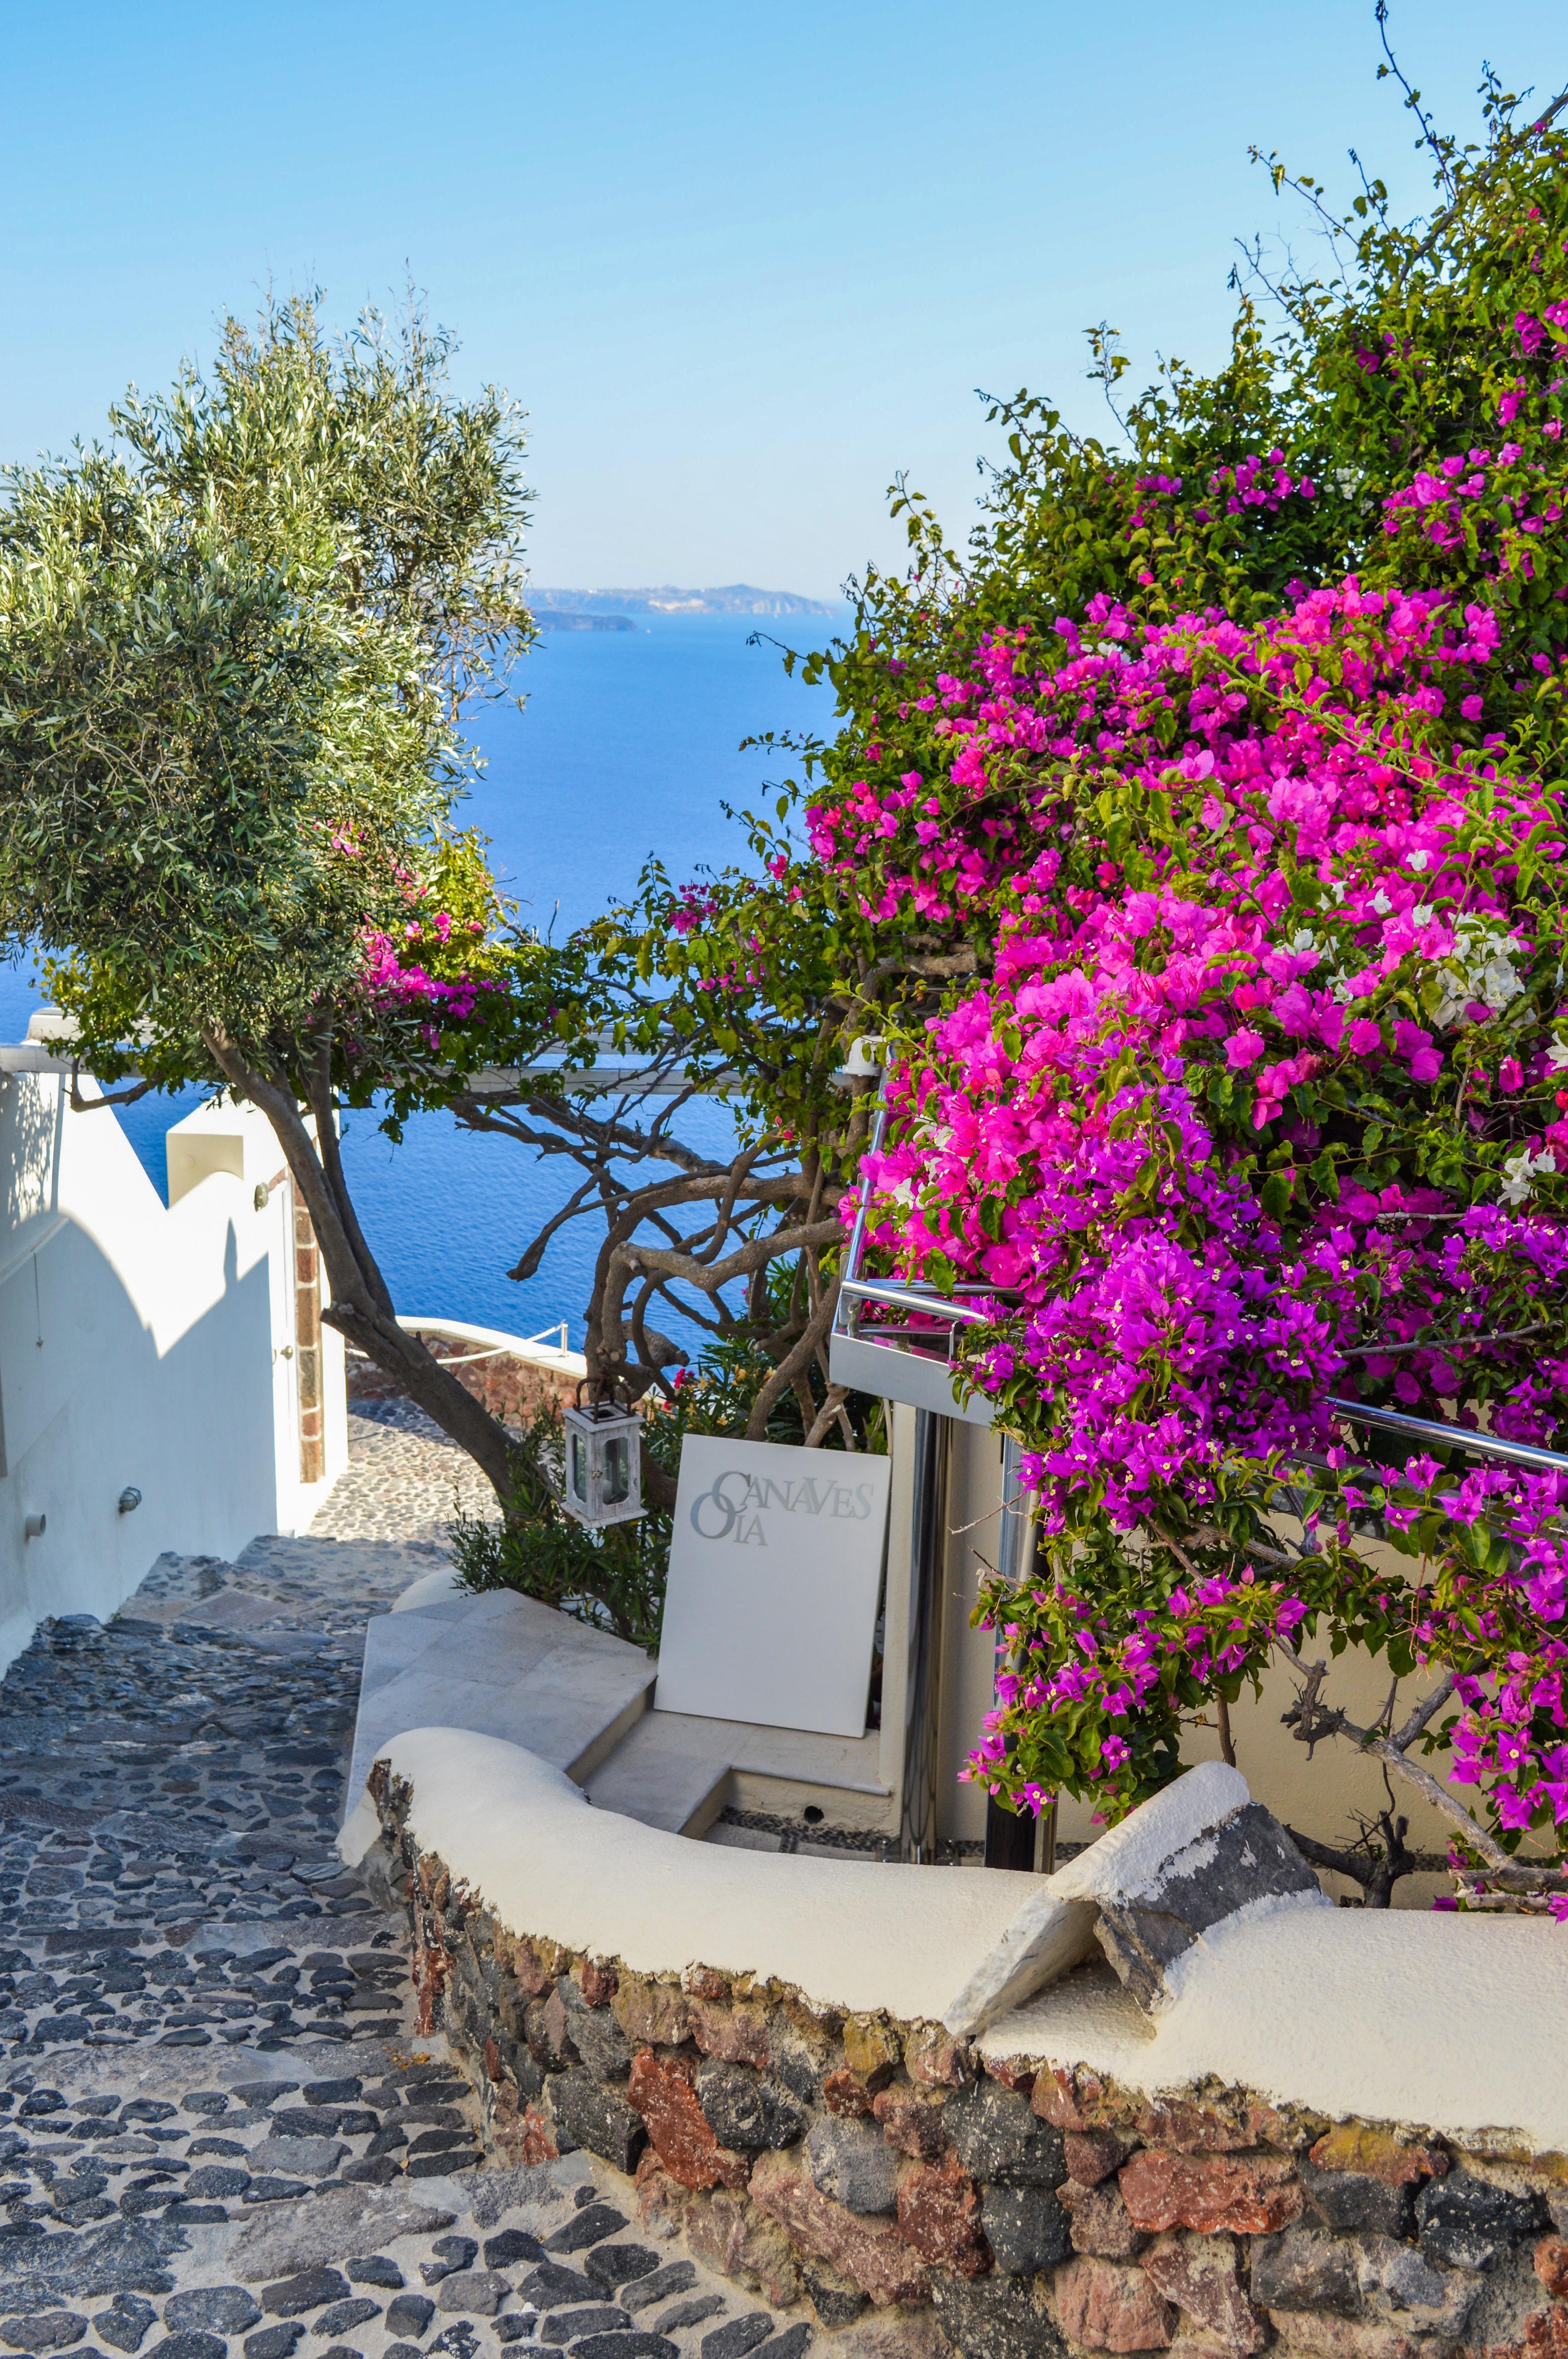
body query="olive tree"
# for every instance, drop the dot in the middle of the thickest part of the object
(233, 647)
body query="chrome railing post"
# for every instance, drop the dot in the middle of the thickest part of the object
(928, 1582)
(846, 1312)
(1012, 1837)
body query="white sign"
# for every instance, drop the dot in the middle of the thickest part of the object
(775, 1565)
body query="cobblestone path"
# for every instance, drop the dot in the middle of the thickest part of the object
(404, 1481)
(218, 2133)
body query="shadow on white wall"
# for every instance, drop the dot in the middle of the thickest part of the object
(143, 1348)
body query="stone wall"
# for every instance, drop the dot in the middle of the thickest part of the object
(924, 2202)
(511, 1388)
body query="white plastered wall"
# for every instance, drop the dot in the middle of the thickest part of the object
(140, 1346)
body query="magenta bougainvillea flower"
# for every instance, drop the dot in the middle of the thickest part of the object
(1258, 1105)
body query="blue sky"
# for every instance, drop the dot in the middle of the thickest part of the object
(740, 265)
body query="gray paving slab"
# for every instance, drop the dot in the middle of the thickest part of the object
(655, 1777)
(393, 1641)
(509, 1667)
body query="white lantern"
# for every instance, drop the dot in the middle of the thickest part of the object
(604, 1464)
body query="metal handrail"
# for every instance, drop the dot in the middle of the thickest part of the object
(893, 1297)
(1452, 1436)
(858, 1231)
(914, 1294)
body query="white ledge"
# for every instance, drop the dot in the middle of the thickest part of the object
(847, 1933)
(532, 1349)
(1449, 2022)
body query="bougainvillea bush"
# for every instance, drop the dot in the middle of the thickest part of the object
(1261, 1104)
(1233, 768)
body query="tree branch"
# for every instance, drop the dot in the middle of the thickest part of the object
(104, 1098)
(534, 1253)
(800, 1358)
(324, 1105)
(1312, 1722)
(711, 1275)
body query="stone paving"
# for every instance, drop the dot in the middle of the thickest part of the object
(218, 2132)
(403, 1479)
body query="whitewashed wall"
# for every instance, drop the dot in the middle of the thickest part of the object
(140, 1346)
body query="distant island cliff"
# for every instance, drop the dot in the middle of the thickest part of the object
(736, 598)
(562, 619)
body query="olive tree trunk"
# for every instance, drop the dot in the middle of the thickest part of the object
(360, 1306)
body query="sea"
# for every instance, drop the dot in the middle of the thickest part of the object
(628, 746)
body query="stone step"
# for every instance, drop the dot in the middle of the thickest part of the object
(503, 1665)
(499, 1665)
(677, 1770)
(652, 1776)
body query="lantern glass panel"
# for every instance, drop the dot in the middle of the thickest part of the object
(578, 1460)
(617, 1468)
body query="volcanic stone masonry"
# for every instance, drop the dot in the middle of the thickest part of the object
(921, 2201)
